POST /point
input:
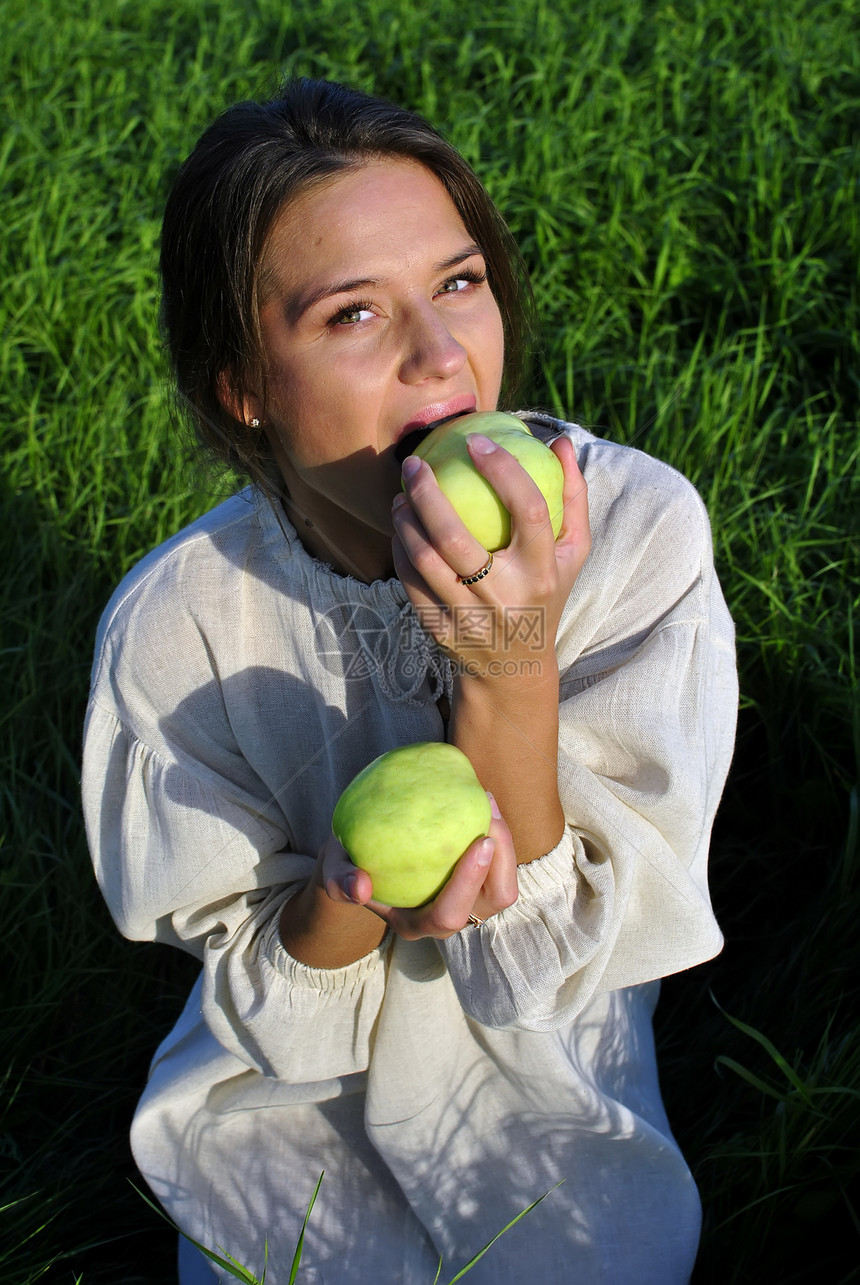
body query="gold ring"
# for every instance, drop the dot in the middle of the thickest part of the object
(479, 575)
(475, 921)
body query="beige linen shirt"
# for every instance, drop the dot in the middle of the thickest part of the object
(239, 684)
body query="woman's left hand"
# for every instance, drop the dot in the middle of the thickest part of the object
(483, 882)
(534, 574)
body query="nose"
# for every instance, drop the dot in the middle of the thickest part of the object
(430, 350)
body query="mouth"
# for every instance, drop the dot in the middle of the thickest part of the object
(412, 440)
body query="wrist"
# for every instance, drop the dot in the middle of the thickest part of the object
(507, 681)
(327, 934)
(510, 734)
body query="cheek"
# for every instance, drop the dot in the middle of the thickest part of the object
(321, 412)
(492, 322)
(328, 380)
(494, 350)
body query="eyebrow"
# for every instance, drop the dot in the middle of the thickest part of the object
(298, 305)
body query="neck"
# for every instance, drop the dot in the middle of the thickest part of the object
(364, 554)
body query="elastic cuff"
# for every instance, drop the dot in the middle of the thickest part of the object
(545, 873)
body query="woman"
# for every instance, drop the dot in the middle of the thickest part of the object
(336, 281)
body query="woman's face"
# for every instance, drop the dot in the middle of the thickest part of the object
(376, 319)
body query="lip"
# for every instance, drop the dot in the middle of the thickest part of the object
(439, 410)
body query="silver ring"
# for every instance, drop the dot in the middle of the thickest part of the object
(475, 921)
(479, 575)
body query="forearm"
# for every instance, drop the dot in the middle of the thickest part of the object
(328, 934)
(509, 731)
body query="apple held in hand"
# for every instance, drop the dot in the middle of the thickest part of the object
(409, 816)
(477, 504)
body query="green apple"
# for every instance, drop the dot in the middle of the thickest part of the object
(409, 816)
(477, 504)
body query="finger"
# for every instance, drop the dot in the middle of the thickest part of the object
(434, 617)
(575, 493)
(483, 882)
(574, 539)
(531, 526)
(500, 888)
(435, 537)
(342, 880)
(450, 910)
(413, 582)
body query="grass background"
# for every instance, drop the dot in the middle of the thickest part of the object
(683, 179)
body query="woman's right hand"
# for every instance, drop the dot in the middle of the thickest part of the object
(483, 882)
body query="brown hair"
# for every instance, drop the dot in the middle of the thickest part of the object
(246, 166)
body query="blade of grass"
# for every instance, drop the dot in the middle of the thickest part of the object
(480, 1254)
(230, 1264)
(297, 1257)
(785, 1066)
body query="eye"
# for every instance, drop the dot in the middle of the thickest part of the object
(351, 314)
(462, 281)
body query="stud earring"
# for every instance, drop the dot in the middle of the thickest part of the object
(255, 423)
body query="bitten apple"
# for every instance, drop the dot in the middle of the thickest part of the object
(477, 504)
(409, 816)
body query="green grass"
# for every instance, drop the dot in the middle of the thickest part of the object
(683, 180)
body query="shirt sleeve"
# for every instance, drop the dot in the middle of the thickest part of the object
(646, 729)
(198, 864)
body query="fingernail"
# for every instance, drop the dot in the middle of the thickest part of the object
(350, 885)
(411, 465)
(494, 807)
(483, 445)
(485, 852)
(399, 500)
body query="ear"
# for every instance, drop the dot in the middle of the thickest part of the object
(243, 406)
